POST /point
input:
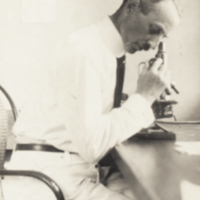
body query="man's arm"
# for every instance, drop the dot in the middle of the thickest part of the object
(80, 100)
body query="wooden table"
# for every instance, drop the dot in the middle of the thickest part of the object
(154, 169)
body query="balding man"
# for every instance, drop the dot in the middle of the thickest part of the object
(74, 116)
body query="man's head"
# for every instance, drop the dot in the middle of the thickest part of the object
(143, 23)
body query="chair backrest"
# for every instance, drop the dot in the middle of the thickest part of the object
(3, 140)
(4, 124)
(3, 133)
(4, 129)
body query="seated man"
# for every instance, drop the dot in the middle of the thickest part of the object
(73, 120)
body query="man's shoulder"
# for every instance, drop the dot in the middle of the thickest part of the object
(84, 45)
(85, 41)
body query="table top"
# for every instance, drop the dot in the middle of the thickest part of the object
(154, 169)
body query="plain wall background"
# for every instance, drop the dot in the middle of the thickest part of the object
(26, 48)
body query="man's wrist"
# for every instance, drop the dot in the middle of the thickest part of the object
(149, 99)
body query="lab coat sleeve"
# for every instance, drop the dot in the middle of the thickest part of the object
(79, 94)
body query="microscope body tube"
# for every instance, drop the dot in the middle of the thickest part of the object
(162, 54)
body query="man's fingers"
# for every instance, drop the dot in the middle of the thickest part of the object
(163, 68)
(164, 56)
(168, 79)
(143, 67)
(156, 65)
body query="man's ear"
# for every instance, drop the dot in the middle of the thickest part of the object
(132, 5)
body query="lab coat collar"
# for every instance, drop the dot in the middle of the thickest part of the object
(111, 36)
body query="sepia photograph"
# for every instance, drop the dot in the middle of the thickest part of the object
(99, 100)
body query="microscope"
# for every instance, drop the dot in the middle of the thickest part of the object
(162, 107)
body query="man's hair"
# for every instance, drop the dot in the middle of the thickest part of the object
(148, 5)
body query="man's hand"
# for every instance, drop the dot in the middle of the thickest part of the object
(152, 82)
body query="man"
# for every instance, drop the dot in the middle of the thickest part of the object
(74, 110)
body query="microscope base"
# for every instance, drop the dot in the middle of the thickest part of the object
(154, 135)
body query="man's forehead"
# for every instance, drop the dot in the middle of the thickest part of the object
(165, 12)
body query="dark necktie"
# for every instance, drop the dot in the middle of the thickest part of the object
(108, 159)
(119, 81)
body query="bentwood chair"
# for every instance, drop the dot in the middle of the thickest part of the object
(3, 140)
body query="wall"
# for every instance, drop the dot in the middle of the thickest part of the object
(26, 47)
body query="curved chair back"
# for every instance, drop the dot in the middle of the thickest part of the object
(3, 133)
(3, 140)
(4, 124)
(3, 137)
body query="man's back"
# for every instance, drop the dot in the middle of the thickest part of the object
(83, 52)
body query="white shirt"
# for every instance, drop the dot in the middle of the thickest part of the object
(74, 111)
